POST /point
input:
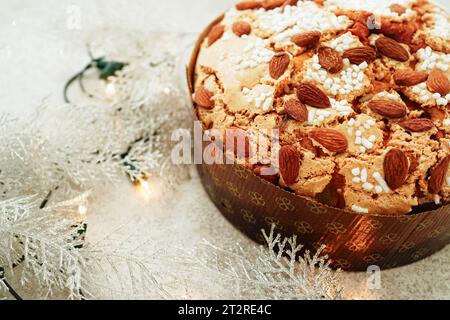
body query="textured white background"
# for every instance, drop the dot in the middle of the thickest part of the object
(38, 52)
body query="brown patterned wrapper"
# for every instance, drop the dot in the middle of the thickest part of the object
(354, 241)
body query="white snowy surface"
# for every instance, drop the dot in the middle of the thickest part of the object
(39, 50)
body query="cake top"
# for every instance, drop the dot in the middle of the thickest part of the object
(359, 91)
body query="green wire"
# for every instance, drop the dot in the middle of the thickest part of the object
(107, 69)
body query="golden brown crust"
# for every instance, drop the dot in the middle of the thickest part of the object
(370, 99)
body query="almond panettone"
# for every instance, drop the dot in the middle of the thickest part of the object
(359, 91)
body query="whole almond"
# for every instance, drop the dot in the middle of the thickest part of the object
(248, 5)
(241, 28)
(267, 173)
(361, 30)
(330, 139)
(388, 108)
(307, 39)
(203, 98)
(392, 49)
(438, 175)
(330, 59)
(417, 125)
(360, 55)
(216, 33)
(311, 95)
(397, 8)
(290, 3)
(438, 82)
(289, 159)
(396, 168)
(296, 110)
(272, 4)
(409, 78)
(279, 64)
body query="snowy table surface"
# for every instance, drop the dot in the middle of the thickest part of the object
(40, 49)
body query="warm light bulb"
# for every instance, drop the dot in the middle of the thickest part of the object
(82, 210)
(149, 189)
(110, 90)
(145, 186)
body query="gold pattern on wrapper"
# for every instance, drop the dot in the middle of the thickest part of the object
(437, 232)
(216, 180)
(248, 216)
(257, 198)
(317, 208)
(357, 245)
(373, 258)
(284, 204)
(304, 227)
(424, 225)
(406, 219)
(227, 206)
(354, 241)
(343, 264)
(390, 239)
(336, 228)
(407, 246)
(234, 190)
(240, 171)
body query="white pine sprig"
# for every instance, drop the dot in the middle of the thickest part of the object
(279, 270)
(70, 149)
(110, 275)
(43, 241)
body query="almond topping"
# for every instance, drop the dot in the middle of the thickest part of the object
(417, 125)
(438, 82)
(388, 108)
(215, 34)
(241, 28)
(392, 49)
(272, 4)
(307, 39)
(409, 78)
(360, 30)
(290, 3)
(330, 59)
(278, 65)
(203, 98)
(248, 5)
(311, 95)
(396, 168)
(360, 55)
(330, 139)
(296, 110)
(438, 175)
(397, 8)
(289, 164)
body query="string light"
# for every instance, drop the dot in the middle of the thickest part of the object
(110, 90)
(150, 189)
(82, 210)
(105, 68)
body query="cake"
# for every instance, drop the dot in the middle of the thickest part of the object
(358, 91)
